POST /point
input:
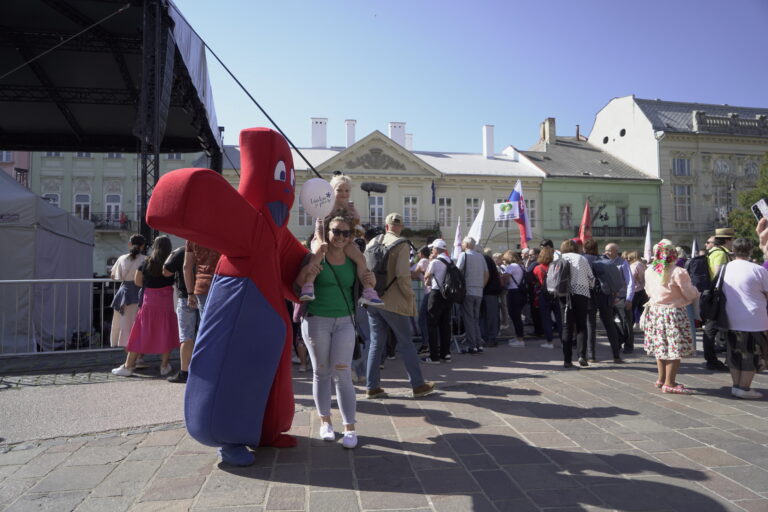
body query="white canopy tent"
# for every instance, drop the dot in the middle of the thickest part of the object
(41, 241)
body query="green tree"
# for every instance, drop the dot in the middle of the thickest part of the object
(741, 219)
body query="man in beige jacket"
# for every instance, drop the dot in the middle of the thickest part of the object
(396, 313)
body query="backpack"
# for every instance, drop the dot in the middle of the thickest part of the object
(698, 269)
(377, 259)
(609, 277)
(559, 278)
(454, 287)
(493, 286)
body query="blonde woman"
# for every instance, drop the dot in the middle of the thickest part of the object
(666, 324)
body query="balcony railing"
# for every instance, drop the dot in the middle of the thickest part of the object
(110, 222)
(615, 231)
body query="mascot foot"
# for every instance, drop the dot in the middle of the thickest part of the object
(236, 455)
(284, 441)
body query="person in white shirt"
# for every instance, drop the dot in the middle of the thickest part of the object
(472, 264)
(514, 277)
(574, 310)
(745, 286)
(438, 308)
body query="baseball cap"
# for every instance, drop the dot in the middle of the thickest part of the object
(438, 243)
(394, 219)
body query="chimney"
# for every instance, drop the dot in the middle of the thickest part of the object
(350, 131)
(550, 135)
(319, 132)
(488, 141)
(397, 132)
(409, 141)
(578, 135)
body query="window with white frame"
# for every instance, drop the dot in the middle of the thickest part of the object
(305, 219)
(751, 169)
(6, 156)
(174, 156)
(410, 210)
(682, 199)
(472, 208)
(621, 216)
(566, 217)
(681, 166)
(83, 154)
(52, 198)
(530, 211)
(53, 153)
(112, 203)
(83, 206)
(645, 216)
(376, 210)
(444, 211)
(114, 155)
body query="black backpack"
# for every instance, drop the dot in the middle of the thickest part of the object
(377, 259)
(559, 279)
(698, 269)
(493, 286)
(454, 286)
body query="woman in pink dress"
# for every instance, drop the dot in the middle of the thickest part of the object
(156, 329)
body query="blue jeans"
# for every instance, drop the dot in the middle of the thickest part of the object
(424, 319)
(470, 313)
(401, 327)
(489, 319)
(549, 308)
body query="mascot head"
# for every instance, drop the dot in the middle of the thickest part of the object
(267, 178)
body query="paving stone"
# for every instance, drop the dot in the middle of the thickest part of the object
(760, 505)
(6, 471)
(111, 504)
(17, 457)
(562, 497)
(463, 503)
(286, 498)
(540, 476)
(150, 453)
(331, 478)
(549, 440)
(524, 505)
(292, 473)
(497, 485)
(711, 457)
(53, 502)
(599, 441)
(726, 487)
(521, 454)
(188, 465)
(128, 479)
(90, 455)
(164, 438)
(167, 489)
(447, 481)
(40, 465)
(227, 489)
(68, 447)
(389, 491)
(162, 506)
(13, 488)
(750, 477)
(373, 467)
(481, 461)
(188, 446)
(67, 478)
(341, 501)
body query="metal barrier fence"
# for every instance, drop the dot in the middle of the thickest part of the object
(47, 315)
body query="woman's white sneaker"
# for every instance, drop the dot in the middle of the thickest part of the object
(326, 432)
(122, 371)
(165, 370)
(350, 439)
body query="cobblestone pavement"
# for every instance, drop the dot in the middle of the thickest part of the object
(509, 430)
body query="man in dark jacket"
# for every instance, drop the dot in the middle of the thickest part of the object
(489, 310)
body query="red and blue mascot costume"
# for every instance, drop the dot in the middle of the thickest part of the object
(239, 391)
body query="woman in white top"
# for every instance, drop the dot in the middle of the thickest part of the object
(126, 302)
(745, 285)
(574, 310)
(514, 278)
(418, 273)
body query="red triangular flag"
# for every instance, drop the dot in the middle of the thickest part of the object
(585, 230)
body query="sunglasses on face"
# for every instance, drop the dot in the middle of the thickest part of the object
(341, 232)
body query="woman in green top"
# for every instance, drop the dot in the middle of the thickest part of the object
(330, 335)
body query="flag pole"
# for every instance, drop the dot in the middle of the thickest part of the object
(489, 234)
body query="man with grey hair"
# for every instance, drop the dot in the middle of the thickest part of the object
(622, 306)
(472, 264)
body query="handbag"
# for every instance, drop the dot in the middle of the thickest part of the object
(712, 302)
(357, 352)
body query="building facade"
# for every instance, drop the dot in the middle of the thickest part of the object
(100, 187)
(704, 154)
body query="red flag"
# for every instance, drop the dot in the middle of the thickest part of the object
(585, 230)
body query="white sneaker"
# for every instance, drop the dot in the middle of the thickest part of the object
(350, 439)
(326, 432)
(516, 343)
(547, 345)
(165, 370)
(749, 394)
(122, 371)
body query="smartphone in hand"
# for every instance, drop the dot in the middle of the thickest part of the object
(760, 209)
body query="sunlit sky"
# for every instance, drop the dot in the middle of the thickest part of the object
(446, 68)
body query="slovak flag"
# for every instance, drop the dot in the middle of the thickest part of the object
(522, 219)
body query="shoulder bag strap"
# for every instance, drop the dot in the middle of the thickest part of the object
(341, 288)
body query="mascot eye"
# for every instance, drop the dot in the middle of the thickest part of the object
(280, 171)
(293, 178)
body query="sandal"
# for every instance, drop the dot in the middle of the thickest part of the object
(659, 383)
(678, 389)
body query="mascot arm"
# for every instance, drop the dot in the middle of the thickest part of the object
(201, 206)
(291, 255)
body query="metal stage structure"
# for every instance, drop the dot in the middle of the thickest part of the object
(105, 76)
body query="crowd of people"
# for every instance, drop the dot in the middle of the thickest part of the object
(349, 320)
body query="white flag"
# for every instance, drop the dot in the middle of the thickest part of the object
(648, 253)
(694, 249)
(476, 231)
(457, 240)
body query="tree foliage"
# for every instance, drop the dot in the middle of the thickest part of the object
(741, 219)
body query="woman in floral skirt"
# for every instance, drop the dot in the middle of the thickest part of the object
(666, 324)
